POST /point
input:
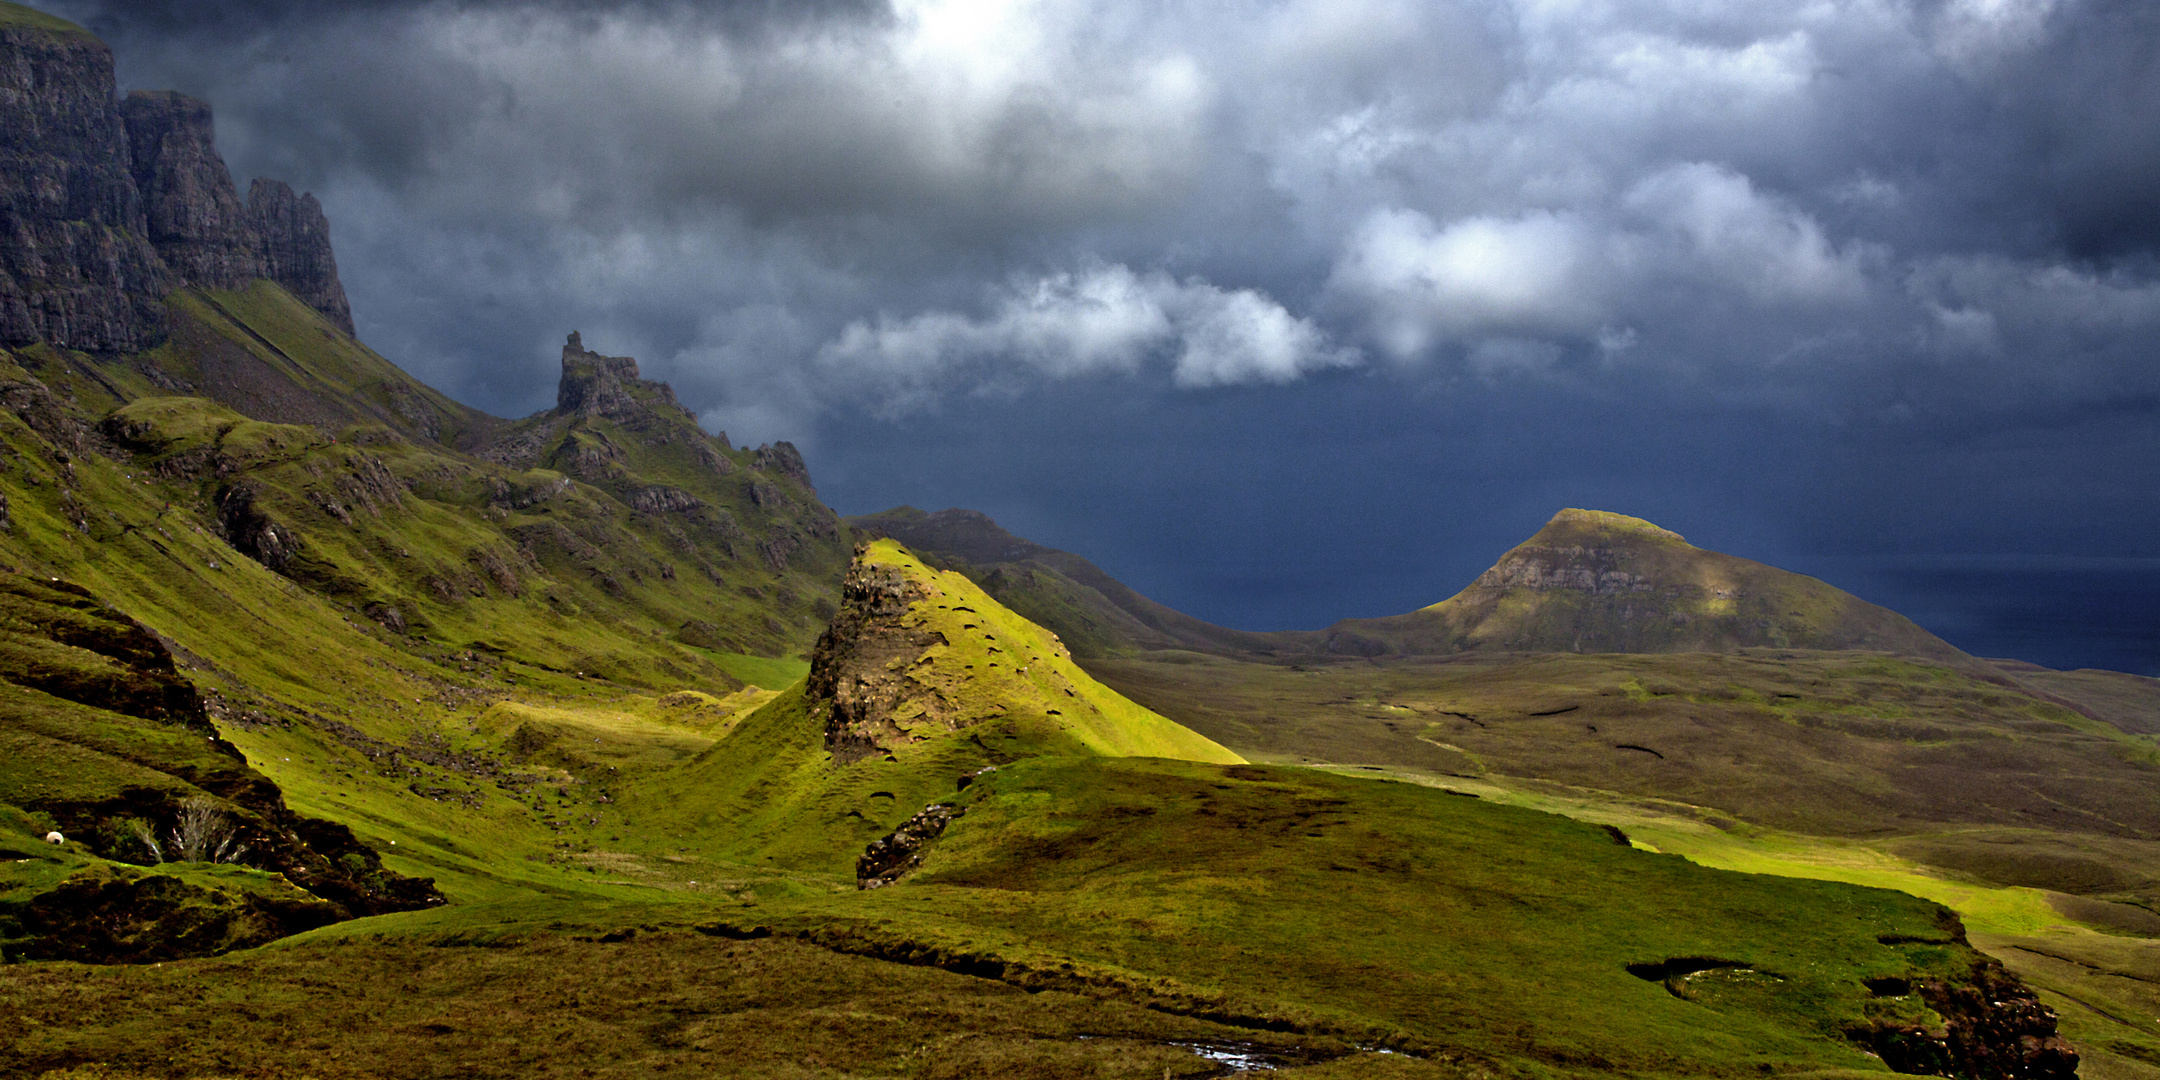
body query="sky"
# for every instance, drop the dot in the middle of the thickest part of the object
(1284, 312)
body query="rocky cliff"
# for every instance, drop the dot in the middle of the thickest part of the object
(75, 266)
(106, 206)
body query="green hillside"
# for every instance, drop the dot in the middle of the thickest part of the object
(922, 683)
(16, 15)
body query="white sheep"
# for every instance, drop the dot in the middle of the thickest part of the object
(55, 838)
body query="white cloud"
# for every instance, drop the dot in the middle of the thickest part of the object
(1974, 34)
(1423, 284)
(1729, 229)
(1106, 319)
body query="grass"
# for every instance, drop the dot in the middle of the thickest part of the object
(569, 1005)
(16, 15)
(991, 661)
(1825, 743)
(768, 673)
(1307, 912)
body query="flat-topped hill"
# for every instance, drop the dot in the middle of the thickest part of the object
(1592, 581)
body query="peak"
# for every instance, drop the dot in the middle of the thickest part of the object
(1572, 521)
(593, 384)
(917, 653)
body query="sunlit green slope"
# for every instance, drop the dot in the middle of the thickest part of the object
(922, 682)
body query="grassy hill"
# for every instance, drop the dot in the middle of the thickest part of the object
(1588, 581)
(922, 683)
(1154, 910)
(357, 602)
(1591, 581)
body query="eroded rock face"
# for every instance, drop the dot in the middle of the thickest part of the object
(295, 246)
(116, 915)
(592, 384)
(106, 206)
(253, 532)
(1590, 570)
(863, 666)
(784, 459)
(75, 267)
(1997, 1028)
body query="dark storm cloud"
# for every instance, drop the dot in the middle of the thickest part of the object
(1887, 229)
(1815, 202)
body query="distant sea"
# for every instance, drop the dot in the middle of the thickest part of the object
(2059, 612)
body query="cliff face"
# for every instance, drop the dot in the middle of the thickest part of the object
(75, 266)
(106, 206)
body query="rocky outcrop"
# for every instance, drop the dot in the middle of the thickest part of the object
(190, 211)
(596, 385)
(890, 858)
(860, 668)
(782, 458)
(107, 206)
(206, 235)
(75, 266)
(294, 239)
(1993, 1028)
(253, 532)
(119, 915)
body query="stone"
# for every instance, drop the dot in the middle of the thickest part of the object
(106, 206)
(75, 267)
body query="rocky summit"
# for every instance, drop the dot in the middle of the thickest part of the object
(111, 204)
(915, 653)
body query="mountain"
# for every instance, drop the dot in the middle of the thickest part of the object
(1093, 613)
(112, 204)
(1589, 581)
(256, 564)
(110, 744)
(1592, 581)
(922, 682)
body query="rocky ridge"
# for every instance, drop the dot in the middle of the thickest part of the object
(865, 662)
(109, 205)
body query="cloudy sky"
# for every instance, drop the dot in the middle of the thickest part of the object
(1288, 311)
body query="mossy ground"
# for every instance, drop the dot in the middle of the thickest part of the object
(1304, 911)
